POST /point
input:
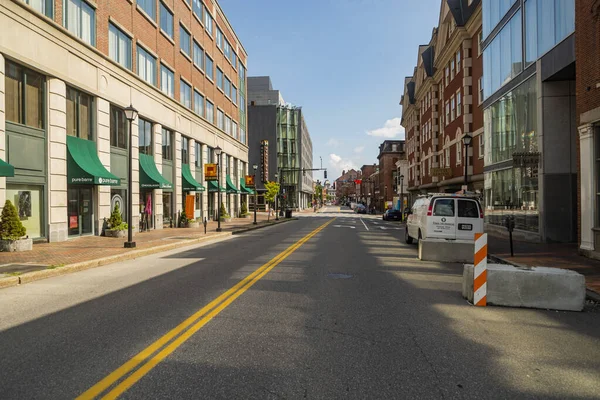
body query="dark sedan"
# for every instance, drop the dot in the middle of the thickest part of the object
(392, 215)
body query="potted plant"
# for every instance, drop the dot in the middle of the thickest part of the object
(244, 211)
(12, 231)
(194, 223)
(183, 220)
(116, 226)
(223, 214)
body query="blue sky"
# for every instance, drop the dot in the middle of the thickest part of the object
(343, 61)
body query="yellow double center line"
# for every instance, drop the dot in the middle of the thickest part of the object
(198, 319)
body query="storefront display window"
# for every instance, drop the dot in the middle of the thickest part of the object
(168, 210)
(29, 202)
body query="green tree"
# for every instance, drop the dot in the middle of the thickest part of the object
(223, 212)
(319, 194)
(115, 222)
(244, 209)
(270, 194)
(11, 227)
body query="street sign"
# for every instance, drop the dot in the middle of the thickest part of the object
(210, 172)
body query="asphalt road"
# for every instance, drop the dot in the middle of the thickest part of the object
(346, 313)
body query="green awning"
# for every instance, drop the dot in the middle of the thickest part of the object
(150, 177)
(213, 187)
(188, 182)
(83, 165)
(245, 190)
(231, 189)
(6, 169)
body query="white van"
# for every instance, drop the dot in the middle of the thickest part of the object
(444, 216)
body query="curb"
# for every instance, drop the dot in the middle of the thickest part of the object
(98, 262)
(589, 293)
(253, 228)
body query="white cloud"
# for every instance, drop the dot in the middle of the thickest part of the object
(335, 158)
(390, 129)
(359, 149)
(338, 164)
(333, 142)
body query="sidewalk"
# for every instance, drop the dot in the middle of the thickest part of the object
(46, 256)
(556, 255)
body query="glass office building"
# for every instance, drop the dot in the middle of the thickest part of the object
(529, 117)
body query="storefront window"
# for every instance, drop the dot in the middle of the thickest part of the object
(145, 136)
(184, 150)
(24, 96)
(167, 149)
(511, 124)
(167, 209)
(79, 114)
(119, 196)
(29, 203)
(118, 128)
(513, 192)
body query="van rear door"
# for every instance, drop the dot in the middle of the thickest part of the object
(469, 219)
(441, 224)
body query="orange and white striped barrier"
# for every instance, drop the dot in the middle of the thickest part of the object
(480, 270)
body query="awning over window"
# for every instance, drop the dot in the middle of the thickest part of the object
(83, 165)
(245, 190)
(150, 177)
(188, 182)
(213, 187)
(6, 169)
(231, 189)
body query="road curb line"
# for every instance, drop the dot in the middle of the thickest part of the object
(98, 262)
(589, 293)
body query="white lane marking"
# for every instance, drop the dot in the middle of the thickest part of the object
(386, 228)
(343, 226)
(366, 227)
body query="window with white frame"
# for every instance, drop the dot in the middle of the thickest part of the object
(458, 145)
(119, 46)
(447, 112)
(219, 78)
(234, 129)
(210, 112)
(452, 69)
(208, 22)
(198, 56)
(149, 7)
(198, 103)
(233, 94)
(80, 20)
(452, 108)
(220, 120)
(227, 87)
(185, 40)
(447, 151)
(458, 103)
(146, 66)
(185, 94)
(208, 67)
(447, 75)
(167, 81)
(228, 125)
(480, 83)
(458, 61)
(166, 20)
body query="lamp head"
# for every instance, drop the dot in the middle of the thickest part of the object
(255, 167)
(218, 151)
(467, 139)
(130, 113)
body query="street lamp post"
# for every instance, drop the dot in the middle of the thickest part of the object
(218, 151)
(255, 167)
(276, 198)
(131, 114)
(401, 197)
(467, 141)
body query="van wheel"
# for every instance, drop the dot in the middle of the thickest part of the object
(408, 239)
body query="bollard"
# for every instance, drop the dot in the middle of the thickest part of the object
(509, 223)
(480, 270)
(205, 223)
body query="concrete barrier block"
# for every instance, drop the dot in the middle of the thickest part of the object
(459, 251)
(537, 287)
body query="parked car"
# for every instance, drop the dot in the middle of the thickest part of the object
(444, 216)
(360, 209)
(392, 215)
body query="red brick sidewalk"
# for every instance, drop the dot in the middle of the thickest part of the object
(556, 255)
(88, 248)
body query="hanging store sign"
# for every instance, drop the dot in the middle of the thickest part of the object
(264, 161)
(249, 181)
(210, 172)
(526, 159)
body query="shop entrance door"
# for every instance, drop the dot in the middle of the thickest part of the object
(80, 211)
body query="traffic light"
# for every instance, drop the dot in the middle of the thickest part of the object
(325, 174)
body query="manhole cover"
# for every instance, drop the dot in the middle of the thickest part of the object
(339, 276)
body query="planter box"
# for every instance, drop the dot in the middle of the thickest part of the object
(225, 219)
(114, 234)
(193, 224)
(16, 245)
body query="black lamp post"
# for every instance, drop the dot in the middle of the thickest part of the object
(467, 141)
(401, 197)
(218, 151)
(131, 114)
(276, 198)
(255, 167)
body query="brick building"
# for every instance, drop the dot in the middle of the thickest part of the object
(68, 70)
(364, 188)
(587, 21)
(440, 105)
(346, 187)
(390, 151)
